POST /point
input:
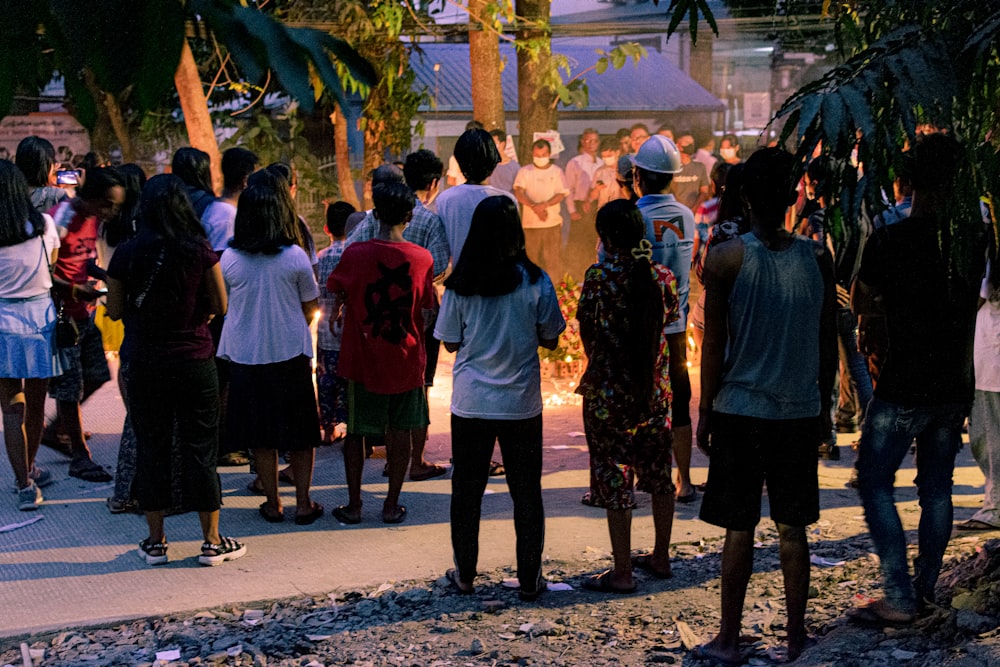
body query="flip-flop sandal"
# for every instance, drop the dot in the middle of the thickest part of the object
(314, 513)
(340, 514)
(644, 562)
(591, 500)
(451, 574)
(431, 473)
(601, 583)
(232, 459)
(699, 653)
(268, 516)
(399, 516)
(688, 497)
(497, 469)
(975, 524)
(89, 471)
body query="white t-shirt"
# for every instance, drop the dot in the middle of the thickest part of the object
(541, 185)
(455, 172)
(496, 373)
(24, 273)
(455, 207)
(986, 346)
(265, 324)
(219, 221)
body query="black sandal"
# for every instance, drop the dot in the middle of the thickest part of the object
(146, 549)
(226, 549)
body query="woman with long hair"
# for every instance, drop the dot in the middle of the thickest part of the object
(497, 309)
(36, 158)
(165, 284)
(194, 167)
(626, 304)
(273, 298)
(28, 244)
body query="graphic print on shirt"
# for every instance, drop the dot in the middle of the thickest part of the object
(387, 315)
(676, 225)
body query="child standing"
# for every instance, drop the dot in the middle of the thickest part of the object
(626, 304)
(383, 286)
(330, 387)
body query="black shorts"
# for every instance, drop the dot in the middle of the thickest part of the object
(680, 381)
(746, 453)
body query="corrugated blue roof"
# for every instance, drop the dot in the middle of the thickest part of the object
(654, 85)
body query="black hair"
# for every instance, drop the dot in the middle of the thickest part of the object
(731, 201)
(19, 221)
(622, 229)
(265, 220)
(166, 210)
(474, 125)
(477, 155)
(124, 225)
(622, 133)
(499, 134)
(653, 182)
(820, 171)
(237, 164)
(194, 167)
(937, 161)
(719, 172)
(35, 157)
(493, 260)
(609, 144)
(275, 176)
(732, 139)
(768, 185)
(639, 126)
(393, 203)
(336, 217)
(387, 173)
(97, 183)
(285, 171)
(421, 169)
(542, 143)
(94, 160)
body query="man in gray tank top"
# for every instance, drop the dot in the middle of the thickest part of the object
(767, 369)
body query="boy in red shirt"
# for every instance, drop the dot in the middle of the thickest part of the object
(381, 288)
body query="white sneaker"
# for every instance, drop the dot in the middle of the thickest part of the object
(29, 498)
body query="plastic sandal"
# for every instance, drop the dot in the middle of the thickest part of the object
(227, 549)
(146, 549)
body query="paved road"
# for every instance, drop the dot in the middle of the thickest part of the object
(78, 564)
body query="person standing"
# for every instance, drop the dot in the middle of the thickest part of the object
(921, 276)
(540, 187)
(165, 284)
(85, 366)
(767, 367)
(36, 158)
(691, 183)
(505, 173)
(580, 171)
(28, 244)
(382, 289)
(498, 309)
(670, 229)
(625, 308)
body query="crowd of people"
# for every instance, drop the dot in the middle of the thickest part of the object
(217, 295)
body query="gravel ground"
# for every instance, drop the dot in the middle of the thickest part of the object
(424, 623)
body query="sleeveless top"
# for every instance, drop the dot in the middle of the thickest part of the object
(771, 369)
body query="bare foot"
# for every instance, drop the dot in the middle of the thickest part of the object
(719, 654)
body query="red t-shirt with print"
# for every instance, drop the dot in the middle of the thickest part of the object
(78, 239)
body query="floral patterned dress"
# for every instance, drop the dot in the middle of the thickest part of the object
(623, 443)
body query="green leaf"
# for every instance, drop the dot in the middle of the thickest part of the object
(601, 66)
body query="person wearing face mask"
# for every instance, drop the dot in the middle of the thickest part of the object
(602, 189)
(729, 149)
(690, 186)
(540, 187)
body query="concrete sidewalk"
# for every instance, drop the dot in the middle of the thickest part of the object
(78, 564)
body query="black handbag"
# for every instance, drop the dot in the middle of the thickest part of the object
(67, 333)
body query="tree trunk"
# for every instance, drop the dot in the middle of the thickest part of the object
(201, 132)
(342, 156)
(484, 59)
(536, 112)
(374, 155)
(110, 126)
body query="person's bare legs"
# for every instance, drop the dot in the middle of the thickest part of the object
(682, 457)
(354, 465)
(210, 526)
(70, 420)
(156, 535)
(795, 570)
(737, 565)
(620, 530)
(302, 470)
(663, 525)
(266, 461)
(418, 466)
(34, 416)
(397, 454)
(12, 402)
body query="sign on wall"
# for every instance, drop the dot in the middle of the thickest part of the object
(65, 132)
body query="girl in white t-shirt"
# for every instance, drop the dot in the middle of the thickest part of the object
(28, 243)
(497, 309)
(272, 298)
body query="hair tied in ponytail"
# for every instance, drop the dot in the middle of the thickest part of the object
(644, 250)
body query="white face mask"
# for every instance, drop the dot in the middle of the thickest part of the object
(610, 161)
(727, 153)
(540, 162)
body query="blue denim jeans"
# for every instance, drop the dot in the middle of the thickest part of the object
(888, 431)
(855, 365)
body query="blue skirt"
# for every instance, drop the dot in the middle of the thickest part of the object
(27, 338)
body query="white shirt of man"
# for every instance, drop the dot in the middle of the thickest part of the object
(580, 178)
(540, 185)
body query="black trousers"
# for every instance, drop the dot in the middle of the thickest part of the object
(184, 396)
(521, 445)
